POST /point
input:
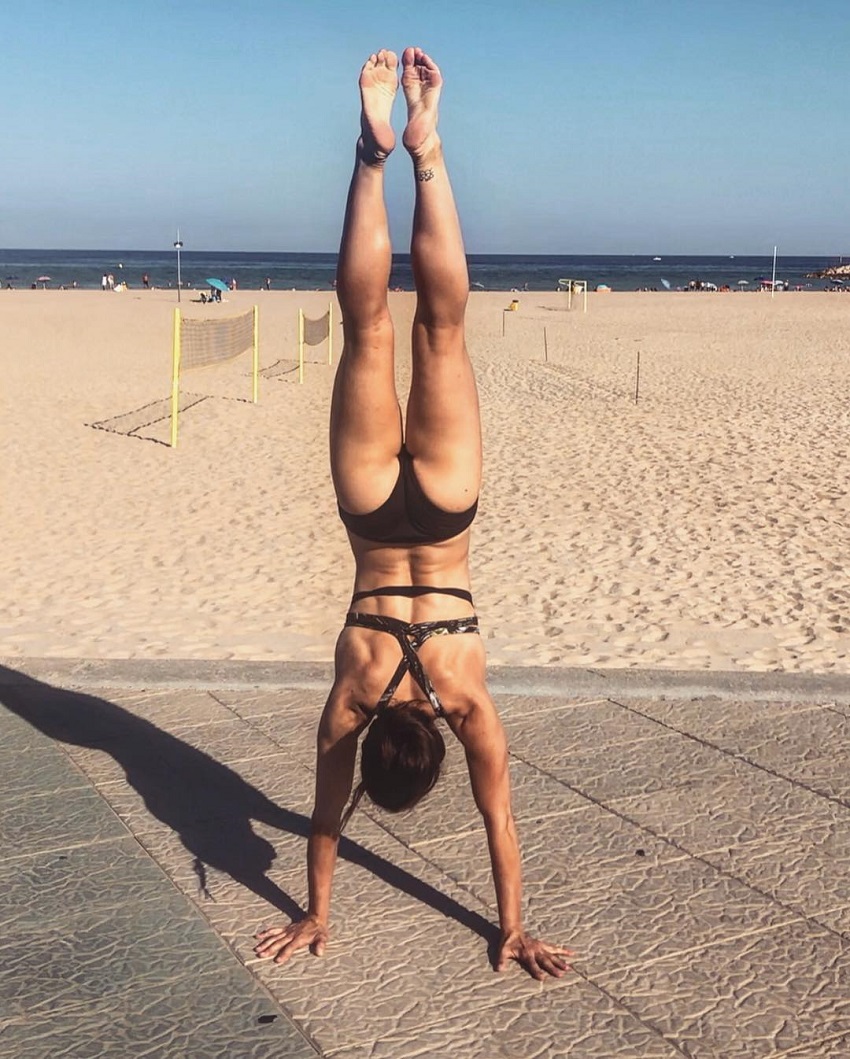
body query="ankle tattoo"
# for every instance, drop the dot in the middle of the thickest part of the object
(424, 174)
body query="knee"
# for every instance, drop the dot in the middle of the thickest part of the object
(367, 331)
(441, 333)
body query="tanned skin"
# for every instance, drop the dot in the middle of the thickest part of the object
(443, 435)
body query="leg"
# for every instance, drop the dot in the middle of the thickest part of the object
(365, 429)
(443, 426)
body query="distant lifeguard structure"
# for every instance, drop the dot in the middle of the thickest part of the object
(571, 287)
(202, 343)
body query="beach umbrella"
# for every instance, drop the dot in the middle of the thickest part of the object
(43, 279)
(219, 284)
(743, 283)
(665, 283)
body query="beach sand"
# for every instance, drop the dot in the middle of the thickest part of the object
(706, 526)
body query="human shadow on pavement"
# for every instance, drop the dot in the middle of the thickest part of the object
(207, 804)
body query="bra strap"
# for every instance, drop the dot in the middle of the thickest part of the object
(411, 591)
(410, 637)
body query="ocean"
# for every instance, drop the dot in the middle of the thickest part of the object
(503, 272)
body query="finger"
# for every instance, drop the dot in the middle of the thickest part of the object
(274, 945)
(318, 947)
(547, 963)
(270, 932)
(270, 948)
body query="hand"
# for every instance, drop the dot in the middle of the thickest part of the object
(283, 942)
(537, 957)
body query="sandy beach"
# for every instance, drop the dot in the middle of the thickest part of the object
(706, 526)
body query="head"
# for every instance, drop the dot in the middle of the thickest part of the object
(400, 758)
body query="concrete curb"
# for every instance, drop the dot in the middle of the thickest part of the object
(538, 681)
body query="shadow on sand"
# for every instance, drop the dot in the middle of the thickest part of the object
(207, 804)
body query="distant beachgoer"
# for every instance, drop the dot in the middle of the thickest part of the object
(410, 652)
(110, 281)
(104, 282)
(233, 283)
(268, 283)
(146, 281)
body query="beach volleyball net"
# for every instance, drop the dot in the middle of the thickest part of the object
(206, 343)
(313, 332)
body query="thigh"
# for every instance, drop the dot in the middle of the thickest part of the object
(443, 433)
(365, 427)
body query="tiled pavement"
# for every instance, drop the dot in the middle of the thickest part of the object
(688, 834)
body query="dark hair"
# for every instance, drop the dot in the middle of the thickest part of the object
(400, 758)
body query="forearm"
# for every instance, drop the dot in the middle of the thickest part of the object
(507, 872)
(321, 861)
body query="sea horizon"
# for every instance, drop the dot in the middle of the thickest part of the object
(314, 270)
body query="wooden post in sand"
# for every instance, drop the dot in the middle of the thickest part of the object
(545, 347)
(637, 377)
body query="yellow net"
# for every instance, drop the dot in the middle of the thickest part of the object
(201, 343)
(316, 331)
(313, 333)
(205, 342)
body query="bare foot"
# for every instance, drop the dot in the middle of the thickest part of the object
(378, 85)
(422, 83)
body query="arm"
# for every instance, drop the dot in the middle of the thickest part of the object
(483, 738)
(336, 750)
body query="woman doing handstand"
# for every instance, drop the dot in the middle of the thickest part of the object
(407, 496)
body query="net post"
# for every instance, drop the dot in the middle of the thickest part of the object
(569, 295)
(301, 345)
(330, 332)
(255, 362)
(175, 377)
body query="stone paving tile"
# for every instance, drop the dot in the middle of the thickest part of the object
(559, 853)
(25, 771)
(422, 971)
(167, 706)
(748, 998)
(646, 915)
(82, 881)
(667, 761)
(811, 746)
(580, 1023)
(807, 870)
(829, 1048)
(729, 806)
(33, 824)
(293, 735)
(578, 727)
(207, 791)
(17, 735)
(294, 703)
(713, 718)
(450, 810)
(253, 878)
(514, 706)
(220, 1014)
(133, 945)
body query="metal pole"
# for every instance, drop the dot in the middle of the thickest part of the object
(178, 246)
(545, 347)
(773, 277)
(637, 377)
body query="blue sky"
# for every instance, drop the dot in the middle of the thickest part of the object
(614, 126)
